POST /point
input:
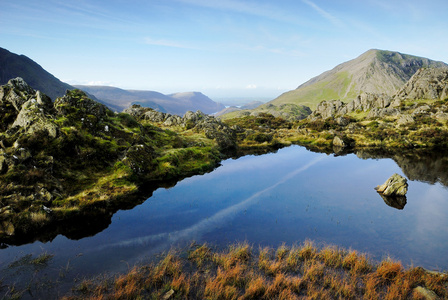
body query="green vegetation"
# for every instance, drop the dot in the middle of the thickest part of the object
(242, 272)
(91, 162)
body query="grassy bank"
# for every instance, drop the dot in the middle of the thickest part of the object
(245, 272)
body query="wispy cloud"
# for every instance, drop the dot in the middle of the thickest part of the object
(333, 19)
(196, 231)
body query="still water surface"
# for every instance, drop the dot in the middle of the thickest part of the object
(283, 197)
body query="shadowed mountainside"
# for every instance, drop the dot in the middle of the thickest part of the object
(13, 65)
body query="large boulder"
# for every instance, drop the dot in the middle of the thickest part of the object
(327, 109)
(426, 83)
(396, 185)
(33, 118)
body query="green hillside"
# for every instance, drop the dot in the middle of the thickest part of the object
(375, 71)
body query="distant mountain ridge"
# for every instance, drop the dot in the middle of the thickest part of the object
(13, 65)
(375, 71)
(178, 103)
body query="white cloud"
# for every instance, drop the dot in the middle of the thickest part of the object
(251, 86)
(92, 82)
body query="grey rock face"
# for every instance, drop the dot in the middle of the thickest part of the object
(426, 83)
(32, 119)
(364, 102)
(396, 185)
(327, 109)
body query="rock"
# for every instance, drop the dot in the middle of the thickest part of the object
(327, 109)
(139, 158)
(173, 120)
(425, 293)
(426, 83)
(367, 101)
(375, 113)
(398, 202)
(77, 102)
(441, 116)
(33, 118)
(339, 142)
(155, 116)
(396, 185)
(424, 109)
(168, 294)
(7, 228)
(405, 120)
(194, 117)
(137, 111)
(342, 121)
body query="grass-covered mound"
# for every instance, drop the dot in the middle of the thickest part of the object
(74, 156)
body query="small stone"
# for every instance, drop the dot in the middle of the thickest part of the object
(339, 142)
(425, 293)
(396, 185)
(168, 294)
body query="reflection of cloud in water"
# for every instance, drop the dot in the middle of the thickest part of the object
(207, 225)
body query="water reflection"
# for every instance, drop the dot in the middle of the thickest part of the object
(397, 202)
(283, 197)
(430, 167)
(204, 226)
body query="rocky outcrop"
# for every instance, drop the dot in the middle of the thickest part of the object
(396, 185)
(426, 83)
(364, 102)
(198, 121)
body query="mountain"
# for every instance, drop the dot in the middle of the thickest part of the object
(13, 65)
(375, 71)
(178, 103)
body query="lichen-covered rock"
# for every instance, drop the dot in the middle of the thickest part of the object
(396, 185)
(173, 120)
(376, 113)
(405, 120)
(155, 116)
(33, 118)
(137, 111)
(426, 83)
(424, 293)
(77, 103)
(339, 142)
(327, 109)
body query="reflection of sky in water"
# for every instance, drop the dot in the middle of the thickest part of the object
(288, 197)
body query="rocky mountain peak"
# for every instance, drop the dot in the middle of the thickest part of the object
(375, 71)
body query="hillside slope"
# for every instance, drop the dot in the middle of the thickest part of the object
(13, 65)
(375, 71)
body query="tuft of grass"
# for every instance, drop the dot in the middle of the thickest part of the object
(284, 273)
(200, 255)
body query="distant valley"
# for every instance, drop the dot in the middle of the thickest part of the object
(13, 65)
(178, 103)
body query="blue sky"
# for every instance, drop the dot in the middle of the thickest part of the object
(223, 48)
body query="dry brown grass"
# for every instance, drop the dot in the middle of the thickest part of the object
(239, 272)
